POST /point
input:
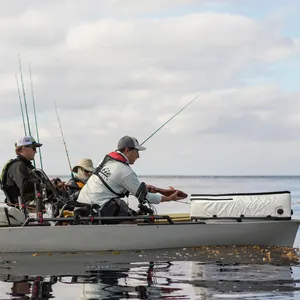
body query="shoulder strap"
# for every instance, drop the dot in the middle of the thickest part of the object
(99, 168)
(109, 188)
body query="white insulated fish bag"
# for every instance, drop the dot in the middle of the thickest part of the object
(252, 205)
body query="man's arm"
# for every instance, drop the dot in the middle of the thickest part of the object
(23, 179)
(165, 192)
(131, 183)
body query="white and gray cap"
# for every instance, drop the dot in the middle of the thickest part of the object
(130, 142)
(27, 141)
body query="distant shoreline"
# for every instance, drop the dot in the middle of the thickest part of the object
(206, 176)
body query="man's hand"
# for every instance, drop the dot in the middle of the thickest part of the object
(178, 195)
(58, 184)
(175, 196)
(170, 194)
(151, 188)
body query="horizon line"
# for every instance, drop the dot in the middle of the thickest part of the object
(185, 175)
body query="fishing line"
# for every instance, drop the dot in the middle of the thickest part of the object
(185, 202)
(62, 135)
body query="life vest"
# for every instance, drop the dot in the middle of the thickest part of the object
(75, 182)
(113, 156)
(3, 178)
(109, 157)
(80, 184)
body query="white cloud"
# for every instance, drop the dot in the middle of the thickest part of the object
(125, 67)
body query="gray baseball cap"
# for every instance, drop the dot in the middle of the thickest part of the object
(130, 142)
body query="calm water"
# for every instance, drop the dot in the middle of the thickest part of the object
(201, 273)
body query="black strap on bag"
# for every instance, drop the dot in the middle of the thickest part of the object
(98, 170)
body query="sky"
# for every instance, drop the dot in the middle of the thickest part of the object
(124, 67)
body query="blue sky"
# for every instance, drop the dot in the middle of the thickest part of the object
(286, 13)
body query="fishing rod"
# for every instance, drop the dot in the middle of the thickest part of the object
(24, 96)
(164, 192)
(35, 119)
(62, 134)
(169, 120)
(25, 102)
(25, 132)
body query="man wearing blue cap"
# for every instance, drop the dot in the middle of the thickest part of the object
(16, 175)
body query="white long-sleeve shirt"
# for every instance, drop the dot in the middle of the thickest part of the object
(119, 177)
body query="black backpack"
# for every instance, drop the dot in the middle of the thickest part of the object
(3, 177)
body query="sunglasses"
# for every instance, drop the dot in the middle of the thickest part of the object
(32, 147)
(86, 171)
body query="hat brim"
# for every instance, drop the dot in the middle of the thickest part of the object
(75, 169)
(37, 145)
(140, 148)
(89, 169)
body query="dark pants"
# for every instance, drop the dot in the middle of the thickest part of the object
(116, 208)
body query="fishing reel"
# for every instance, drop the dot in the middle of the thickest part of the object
(49, 192)
(45, 185)
(46, 192)
(141, 194)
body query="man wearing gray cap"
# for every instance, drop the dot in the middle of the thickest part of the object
(114, 179)
(16, 177)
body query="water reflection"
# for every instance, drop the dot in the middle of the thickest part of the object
(31, 288)
(188, 274)
(262, 280)
(139, 281)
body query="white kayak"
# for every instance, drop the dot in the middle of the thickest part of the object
(203, 227)
(34, 238)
